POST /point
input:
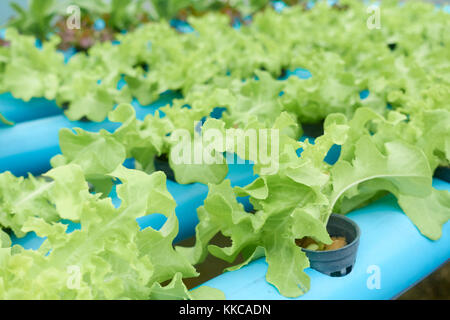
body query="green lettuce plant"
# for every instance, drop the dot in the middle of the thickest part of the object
(109, 257)
(344, 58)
(297, 201)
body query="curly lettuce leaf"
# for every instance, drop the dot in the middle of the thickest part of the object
(5, 121)
(109, 257)
(271, 232)
(31, 72)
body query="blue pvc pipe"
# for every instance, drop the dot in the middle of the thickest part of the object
(278, 6)
(29, 146)
(17, 110)
(389, 243)
(99, 24)
(298, 72)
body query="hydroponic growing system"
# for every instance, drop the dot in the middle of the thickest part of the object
(94, 203)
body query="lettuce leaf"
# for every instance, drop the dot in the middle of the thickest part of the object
(297, 200)
(109, 257)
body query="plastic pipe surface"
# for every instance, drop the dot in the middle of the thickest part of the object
(17, 110)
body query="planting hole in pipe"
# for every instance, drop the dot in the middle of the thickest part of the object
(162, 164)
(212, 266)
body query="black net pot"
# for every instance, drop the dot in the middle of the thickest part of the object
(340, 262)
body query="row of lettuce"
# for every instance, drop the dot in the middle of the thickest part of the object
(403, 65)
(81, 23)
(392, 149)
